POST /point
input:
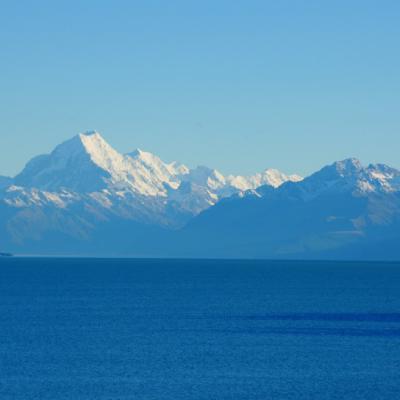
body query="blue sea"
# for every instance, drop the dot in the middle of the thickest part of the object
(113, 329)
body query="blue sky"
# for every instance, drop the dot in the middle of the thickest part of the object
(239, 86)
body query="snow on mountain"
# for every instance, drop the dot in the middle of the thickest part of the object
(178, 168)
(86, 175)
(84, 189)
(271, 177)
(205, 177)
(219, 186)
(345, 210)
(20, 197)
(162, 172)
(83, 164)
(87, 163)
(385, 178)
(350, 175)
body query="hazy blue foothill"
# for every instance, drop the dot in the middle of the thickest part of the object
(5, 181)
(338, 212)
(87, 198)
(89, 329)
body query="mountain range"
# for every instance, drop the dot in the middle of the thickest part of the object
(86, 198)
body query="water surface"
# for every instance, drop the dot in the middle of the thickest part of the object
(166, 329)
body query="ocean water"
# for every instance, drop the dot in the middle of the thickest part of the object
(165, 329)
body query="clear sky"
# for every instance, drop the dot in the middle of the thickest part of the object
(236, 85)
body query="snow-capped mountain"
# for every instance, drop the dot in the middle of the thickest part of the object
(84, 182)
(163, 170)
(87, 198)
(216, 182)
(349, 176)
(202, 187)
(270, 177)
(87, 165)
(345, 210)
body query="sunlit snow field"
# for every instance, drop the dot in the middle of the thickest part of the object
(147, 329)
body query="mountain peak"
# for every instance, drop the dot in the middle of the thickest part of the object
(351, 176)
(82, 163)
(90, 133)
(141, 154)
(349, 166)
(86, 163)
(100, 151)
